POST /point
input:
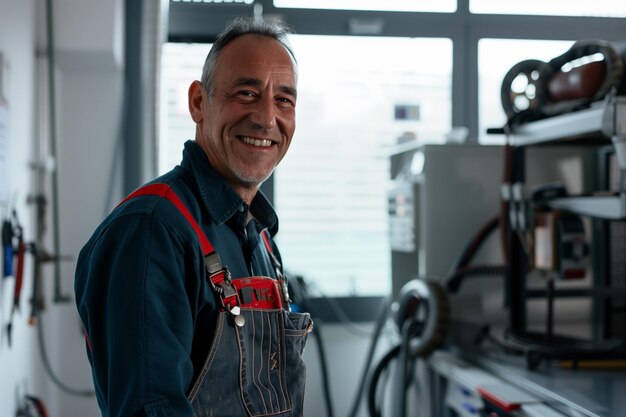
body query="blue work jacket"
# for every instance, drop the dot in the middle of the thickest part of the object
(143, 295)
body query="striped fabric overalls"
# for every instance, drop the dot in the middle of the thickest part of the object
(254, 366)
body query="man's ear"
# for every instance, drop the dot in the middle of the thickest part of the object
(196, 96)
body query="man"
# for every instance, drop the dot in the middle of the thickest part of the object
(169, 332)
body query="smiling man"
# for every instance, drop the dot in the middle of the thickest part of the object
(180, 289)
(245, 110)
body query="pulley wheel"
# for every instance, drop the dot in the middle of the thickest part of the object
(425, 303)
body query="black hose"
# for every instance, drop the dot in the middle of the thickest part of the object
(48, 367)
(301, 294)
(374, 410)
(380, 322)
(460, 267)
(454, 281)
(469, 251)
(408, 330)
(324, 368)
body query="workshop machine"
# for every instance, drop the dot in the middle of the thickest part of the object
(508, 261)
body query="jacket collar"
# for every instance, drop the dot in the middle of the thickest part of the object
(218, 197)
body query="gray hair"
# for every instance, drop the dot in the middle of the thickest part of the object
(239, 27)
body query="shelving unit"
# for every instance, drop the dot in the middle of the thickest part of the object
(593, 127)
(602, 207)
(596, 123)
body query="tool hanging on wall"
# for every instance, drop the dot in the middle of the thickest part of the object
(7, 269)
(31, 407)
(20, 250)
(7, 248)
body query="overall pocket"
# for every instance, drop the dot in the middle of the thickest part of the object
(217, 390)
(297, 328)
(263, 368)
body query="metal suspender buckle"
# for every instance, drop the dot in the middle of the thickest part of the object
(282, 280)
(222, 284)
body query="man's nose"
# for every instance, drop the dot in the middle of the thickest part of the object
(264, 113)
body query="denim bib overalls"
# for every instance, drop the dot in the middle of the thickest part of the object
(254, 366)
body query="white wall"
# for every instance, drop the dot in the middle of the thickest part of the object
(89, 79)
(17, 40)
(89, 37)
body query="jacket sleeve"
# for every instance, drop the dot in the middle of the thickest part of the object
(137, 287)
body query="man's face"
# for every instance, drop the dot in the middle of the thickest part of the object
(246, 126)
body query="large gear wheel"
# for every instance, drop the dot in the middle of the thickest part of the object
(524, 86)
(425, 303)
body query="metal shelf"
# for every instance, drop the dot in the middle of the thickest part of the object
(603, 207)
(597, 122)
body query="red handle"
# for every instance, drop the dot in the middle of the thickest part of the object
(19, 273)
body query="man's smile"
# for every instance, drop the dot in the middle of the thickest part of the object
(264, 143)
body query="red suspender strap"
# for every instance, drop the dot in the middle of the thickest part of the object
(282, 280)
(265, 234)
(164, 190)
(218, 275)
(257, 292)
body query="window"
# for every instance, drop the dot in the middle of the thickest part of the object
(495, 58)
(444, 6)
(597, 8)
(180, 64)
(356, 97)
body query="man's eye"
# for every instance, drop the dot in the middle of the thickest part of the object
(246, 93)
(283, 101)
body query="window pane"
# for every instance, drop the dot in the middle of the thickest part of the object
(444, 6)
(180, 64)
(596, 8)
(356, 97)
(495, 58)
